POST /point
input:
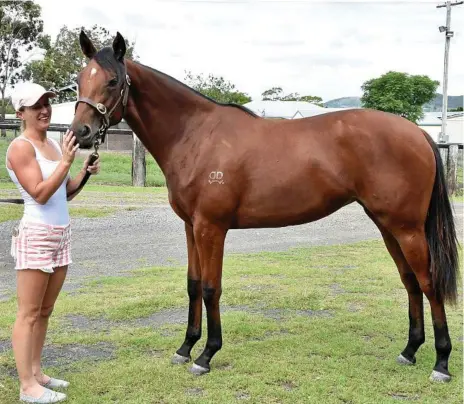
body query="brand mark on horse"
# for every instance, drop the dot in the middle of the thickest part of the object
(216, 176)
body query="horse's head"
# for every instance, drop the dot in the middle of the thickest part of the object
(103, 90)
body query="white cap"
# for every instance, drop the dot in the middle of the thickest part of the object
(27, 94)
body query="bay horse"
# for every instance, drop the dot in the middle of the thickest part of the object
(227, 168)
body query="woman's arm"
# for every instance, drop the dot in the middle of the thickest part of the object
(21, 157)
(72, 186)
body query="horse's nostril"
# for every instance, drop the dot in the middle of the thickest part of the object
(85, 131)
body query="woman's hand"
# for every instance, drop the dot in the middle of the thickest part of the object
(94, 168)
(68, 148)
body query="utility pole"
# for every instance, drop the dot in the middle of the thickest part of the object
(443, 137)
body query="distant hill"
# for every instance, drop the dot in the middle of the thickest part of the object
(454, 101)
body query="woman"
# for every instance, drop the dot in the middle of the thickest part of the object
(41, 245)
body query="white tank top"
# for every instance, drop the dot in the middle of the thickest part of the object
(55, 211)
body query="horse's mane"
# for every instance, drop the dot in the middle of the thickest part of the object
(105, 58)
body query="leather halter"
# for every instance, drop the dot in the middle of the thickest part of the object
(103, 111)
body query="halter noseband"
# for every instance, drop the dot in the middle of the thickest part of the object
(103, 111)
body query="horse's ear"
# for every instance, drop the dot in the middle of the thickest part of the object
(86, 45)
(119, 47)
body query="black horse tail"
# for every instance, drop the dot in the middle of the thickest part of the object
(441, 235)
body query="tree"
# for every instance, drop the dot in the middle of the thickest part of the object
(312, 99)
(399, 93)
(9, 109)
(64, 58)
(20, 31)
(277, 94)
(273, 94)
(216, 88)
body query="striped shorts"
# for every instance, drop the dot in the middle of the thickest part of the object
(41, 246)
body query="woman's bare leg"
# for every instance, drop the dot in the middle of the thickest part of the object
(31, 287)
(40, 328)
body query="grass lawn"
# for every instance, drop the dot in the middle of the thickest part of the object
(318, 325)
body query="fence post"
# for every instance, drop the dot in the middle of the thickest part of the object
(451, 169)
(138, 162)
(444, 157)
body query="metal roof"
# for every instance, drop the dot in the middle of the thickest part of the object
(280, 109)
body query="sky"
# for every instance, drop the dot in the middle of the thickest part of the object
(322, 48)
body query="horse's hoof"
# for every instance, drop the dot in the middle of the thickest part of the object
(198, 370)
(439, 377)
(404, 361)
(179, 359)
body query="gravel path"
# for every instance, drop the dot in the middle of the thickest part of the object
(128, 240)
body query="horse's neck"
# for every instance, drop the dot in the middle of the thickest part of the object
(161, 111)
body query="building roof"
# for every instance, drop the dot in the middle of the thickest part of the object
(280, 109)
(306, 113)
(456, 115)
(434, 118)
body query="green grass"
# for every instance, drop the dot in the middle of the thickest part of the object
(116, 169)
(347, 357)
(93, 200)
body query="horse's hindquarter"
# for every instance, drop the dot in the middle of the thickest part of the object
(395, 165)
(389, 162)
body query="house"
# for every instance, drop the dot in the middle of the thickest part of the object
(431, 123)
(455, 127)
(280, 109)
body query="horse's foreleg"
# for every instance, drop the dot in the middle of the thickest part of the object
(209, 239)
(194, 290)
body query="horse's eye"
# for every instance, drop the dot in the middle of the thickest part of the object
(113, 82)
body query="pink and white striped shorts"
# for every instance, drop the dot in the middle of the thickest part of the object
(41, 246)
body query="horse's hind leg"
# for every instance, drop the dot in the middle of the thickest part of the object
(194, 290)
(415, 248)
(416, 307)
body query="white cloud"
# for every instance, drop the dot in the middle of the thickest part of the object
(319, 48)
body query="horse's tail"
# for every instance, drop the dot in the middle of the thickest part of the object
(441, 235)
